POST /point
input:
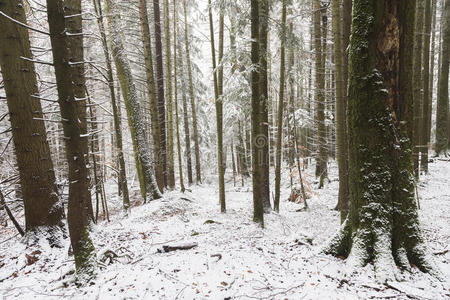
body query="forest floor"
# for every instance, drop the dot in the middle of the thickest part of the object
(234, 258)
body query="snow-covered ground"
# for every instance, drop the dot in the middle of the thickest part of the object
(234, 259)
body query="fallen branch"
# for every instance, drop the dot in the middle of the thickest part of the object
(441, 252)
(186, 199)
(398, 289)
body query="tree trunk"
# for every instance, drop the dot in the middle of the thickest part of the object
(425, 136)
(44, 211)
(218, 101)
(276, 202)
(94, 145)
(160, 89)
(341, 116)
(257, 118)
(170, 148)
(175, 94)
(442, 112)
(73, 17)
(233, 162)
(77, 215)
(431, 72)
(382, 225)
(122, 176)
(144, 164)
(187, 136)
(151, 90)
(263, 134)
(198, 175)
(321, 156)
(243, 165)
(417, 82)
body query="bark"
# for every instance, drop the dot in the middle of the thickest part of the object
(187, 136)
(175, 95)
(417, 81)
(257, 106)
(264, 103)
(144, 163)
(432, 64)
(341, 119)
(44, 211)
(218, 101)
(73, 17)
(276, 202)
(151, 91)
(321, 156)
(198, 175)
(425, 136)
(160, 91)
(382, 226)
(170, 147)
(77, 215)
(442, 112)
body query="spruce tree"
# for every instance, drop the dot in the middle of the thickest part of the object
(382, 225)
(44, 211)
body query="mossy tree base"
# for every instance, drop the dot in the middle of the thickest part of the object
(382, 225)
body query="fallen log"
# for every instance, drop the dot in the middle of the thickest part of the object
(169, 248)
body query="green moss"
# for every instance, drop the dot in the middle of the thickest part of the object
(85, 258)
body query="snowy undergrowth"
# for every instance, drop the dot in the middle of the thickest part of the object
(234, 259)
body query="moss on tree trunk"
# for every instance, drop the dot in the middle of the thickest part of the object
(77, 215)
(382, 225)
(144, 163)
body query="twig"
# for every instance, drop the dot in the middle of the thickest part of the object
(9, 238)
(218, 255)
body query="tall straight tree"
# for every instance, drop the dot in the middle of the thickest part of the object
(264, 94)
(417, 81)
(44, 211)
(442, 111)
(276, 202)
(321, 156)
(175, 93)
(198, 175)
(218, 86)
(426, 103)
(432, 64)
(77, 215)
(259, 105)
(170, 145)
(151, 91)
(346, 26)
(160, 88)
(341, 119)
(143, 159)
(382, 225)
(73, 17)
(187, 136)
(123, 185)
